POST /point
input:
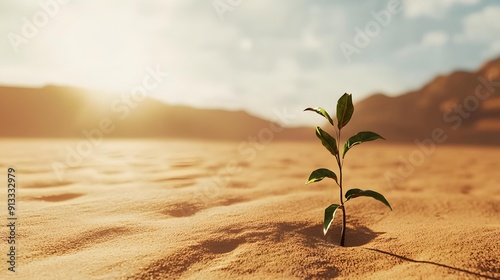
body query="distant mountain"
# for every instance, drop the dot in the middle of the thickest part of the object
(67, 112)
(462, 106)
(465, 105)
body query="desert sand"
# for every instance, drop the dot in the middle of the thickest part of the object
(170, 209)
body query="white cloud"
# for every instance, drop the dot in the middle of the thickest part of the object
(483, 25)
(431, 39)
(494, 47)
(434, 39)
(264, 55)
(311, 41)
(432, 8)
(246, 44)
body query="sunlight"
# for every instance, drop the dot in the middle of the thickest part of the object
(107, 52)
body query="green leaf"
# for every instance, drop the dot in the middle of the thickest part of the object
(363, 136)
(353, 193)
(322, 112)
(329, 215)
(319, 174)
(345, 109)
(328, 141)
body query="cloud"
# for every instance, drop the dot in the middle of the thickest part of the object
(433, 8)
(494, 48)
(482, 27)
(264, 55)
(431, 39)
(434, 39)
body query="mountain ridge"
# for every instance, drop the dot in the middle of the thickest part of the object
(64, 112)
(466, 105)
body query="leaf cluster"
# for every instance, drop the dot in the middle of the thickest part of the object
(345, 110)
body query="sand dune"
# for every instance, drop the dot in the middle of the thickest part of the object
(143, 209)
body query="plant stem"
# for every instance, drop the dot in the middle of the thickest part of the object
(339, 162)
(342, 234)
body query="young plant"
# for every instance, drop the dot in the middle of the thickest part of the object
(345, 109)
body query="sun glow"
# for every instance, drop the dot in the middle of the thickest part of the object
(100, 51)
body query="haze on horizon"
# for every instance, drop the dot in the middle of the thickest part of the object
(253, 55)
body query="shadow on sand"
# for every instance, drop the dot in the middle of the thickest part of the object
(433, 263)
(355, 236)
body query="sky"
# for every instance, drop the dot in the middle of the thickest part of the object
(254, 55)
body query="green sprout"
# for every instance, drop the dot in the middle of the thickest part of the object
(345, 109)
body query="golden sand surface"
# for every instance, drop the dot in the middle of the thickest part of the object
(170, 209)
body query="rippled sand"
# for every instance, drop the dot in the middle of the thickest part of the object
(158, 209)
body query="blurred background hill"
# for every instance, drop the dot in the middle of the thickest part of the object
(466, 105)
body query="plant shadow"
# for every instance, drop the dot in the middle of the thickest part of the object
(355, 236)
(432, 263)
